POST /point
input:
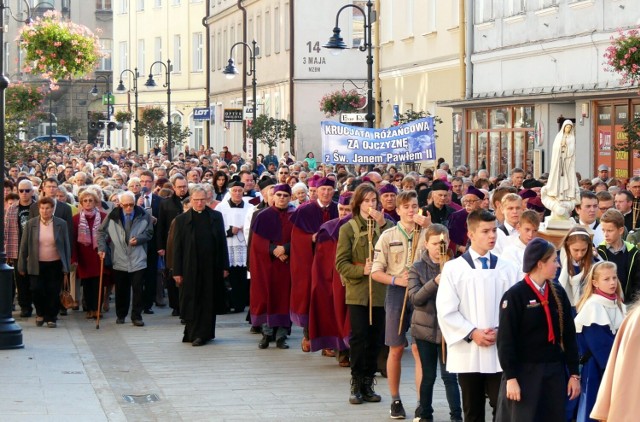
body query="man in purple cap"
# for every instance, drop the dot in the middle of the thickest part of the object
(306, 221)
(312, 182)
(329, 325)
(388, 194)
(270, 251)
(458, 220)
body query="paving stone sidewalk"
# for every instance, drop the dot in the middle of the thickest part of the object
(75, 372)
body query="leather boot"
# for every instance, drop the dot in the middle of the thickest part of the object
(356, 395)
(366, 388)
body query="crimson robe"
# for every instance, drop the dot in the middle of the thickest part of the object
(270, 277)
(327, 308)
(306, 220)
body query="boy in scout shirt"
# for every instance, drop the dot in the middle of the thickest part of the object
(395, 252)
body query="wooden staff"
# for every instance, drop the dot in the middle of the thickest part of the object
(636, 212)
(100, 293)
(443, 258)
(370, 225)
(414, 247)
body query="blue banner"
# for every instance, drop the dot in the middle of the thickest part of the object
(343, 144)
(201, 113)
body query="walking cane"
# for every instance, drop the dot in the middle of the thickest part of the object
(100, 293)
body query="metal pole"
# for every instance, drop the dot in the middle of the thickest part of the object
(108, 91)
(135, 96)
(10, 332)
(50, 117)
(370, 116)
(168, 66)
(254, 84)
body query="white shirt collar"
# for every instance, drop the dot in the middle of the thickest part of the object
(509, 227)
(475, 255)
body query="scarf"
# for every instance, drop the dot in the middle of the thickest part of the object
(544, 301)
(89, 236)
(613, 297)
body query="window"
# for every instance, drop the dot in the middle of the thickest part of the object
(214, 56)
(276, 30)
(140, 5)
(225, 41)
(157, 3)
(386, 20)
(455, 14)
(123, 54)
(221, 54)
(267, 33)
(501, 138)
(123, 6)
(250, 36)
(157, 54)
(177, 53)
(483, 11)
(287, 27)
(141, 55)
(238, 57)
(259, 35)
(196, 65)
(198, 133)
(103, 4)
(358, 28)
(105, 48)
(431, 16)
(515, 7)
(548, 3)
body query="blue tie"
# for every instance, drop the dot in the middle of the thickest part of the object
(484, 261)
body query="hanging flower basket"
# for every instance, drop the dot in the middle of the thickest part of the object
(342, 101)
(123, 116)
(58, 49)
(623, 56)
(22, 99)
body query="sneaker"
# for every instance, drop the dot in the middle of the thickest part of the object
(418, 412)
(397, 410)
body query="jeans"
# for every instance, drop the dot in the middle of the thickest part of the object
(430, 355)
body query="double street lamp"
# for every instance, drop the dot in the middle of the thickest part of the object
(94, 91)
(121, 89)
(336, 43)
(151, 83)
(231, 71)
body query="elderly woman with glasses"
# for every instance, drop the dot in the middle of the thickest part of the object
(85, 248)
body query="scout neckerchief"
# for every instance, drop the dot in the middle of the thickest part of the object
(409, 237)
(544, 301)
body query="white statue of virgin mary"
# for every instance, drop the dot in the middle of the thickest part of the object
(561, 192)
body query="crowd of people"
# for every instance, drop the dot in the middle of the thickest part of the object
(357, 257)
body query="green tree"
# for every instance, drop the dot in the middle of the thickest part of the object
(270, 131)
(70, 126)
(410, 116)
(153, 126)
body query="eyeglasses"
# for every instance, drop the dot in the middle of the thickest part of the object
(470, 201)
(282, 195)
(24, 190)
(126, 205)
(88, 200)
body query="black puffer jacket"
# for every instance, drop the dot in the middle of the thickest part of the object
(422, 294)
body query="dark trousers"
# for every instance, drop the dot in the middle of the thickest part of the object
(90, 287)
(125, 284)
(173, 292)
(46, 290)
(364, 341)
(24, 291)
(150, 281)
(430, 355)
(239, 294)
(474, 387)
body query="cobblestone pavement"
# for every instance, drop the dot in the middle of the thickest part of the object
(75, 371)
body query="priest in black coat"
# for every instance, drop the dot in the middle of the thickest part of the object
(200, 264)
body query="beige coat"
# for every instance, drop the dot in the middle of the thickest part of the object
(618, 395)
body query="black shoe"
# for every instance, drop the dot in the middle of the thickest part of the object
(161, 305)
(175, 312)
(119, 320)
(255, 330)
(183, 322)
(356, 394)
(397, 410)
(148, 311)
(26, 313)
(264, 342)
(63, 312)
(197, 342)
(138, 322)
(39, 322)
(418, 411)
(281, 343)
(366, 388)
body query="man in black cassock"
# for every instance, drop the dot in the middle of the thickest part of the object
(200, 264)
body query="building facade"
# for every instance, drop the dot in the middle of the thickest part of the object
(421, 63)
(167, 31)
(293, 71)
(534, 63)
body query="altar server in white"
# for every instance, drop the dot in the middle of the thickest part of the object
(468, 302)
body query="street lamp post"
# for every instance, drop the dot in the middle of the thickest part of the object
(151, 83)
(121, 88)
(336, 43)
(94, 91)
(231, 71)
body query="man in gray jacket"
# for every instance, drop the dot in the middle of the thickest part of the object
(126, 232)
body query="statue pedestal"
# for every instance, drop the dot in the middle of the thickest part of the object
(554, 236)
